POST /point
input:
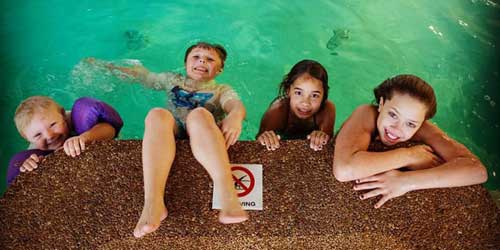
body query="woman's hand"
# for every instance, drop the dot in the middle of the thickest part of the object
(389, 184)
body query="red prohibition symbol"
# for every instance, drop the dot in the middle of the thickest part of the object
(239, 181)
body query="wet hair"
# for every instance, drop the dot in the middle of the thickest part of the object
(31, 106)
(311, 67)
(204, 45)
(410, 85)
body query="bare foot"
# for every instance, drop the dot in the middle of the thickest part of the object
(234, 216)
(150, 220)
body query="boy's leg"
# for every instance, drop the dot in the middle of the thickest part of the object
(158, 152)
(208, 146)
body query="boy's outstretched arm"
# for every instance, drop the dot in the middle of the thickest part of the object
(232, 124)
(138, 72)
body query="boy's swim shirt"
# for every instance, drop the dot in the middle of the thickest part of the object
(183, 97)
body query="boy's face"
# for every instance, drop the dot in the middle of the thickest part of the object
(47, 130)
(203, 64)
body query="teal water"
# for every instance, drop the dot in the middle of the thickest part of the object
(451, 44)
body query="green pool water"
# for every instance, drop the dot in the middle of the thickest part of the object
(451, 44)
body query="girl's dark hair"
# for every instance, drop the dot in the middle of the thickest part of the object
(204, 45)
(311, 67)
(410, 85)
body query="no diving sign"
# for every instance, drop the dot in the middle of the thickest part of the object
(247, 179)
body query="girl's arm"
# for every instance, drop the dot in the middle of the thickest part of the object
(272, 121)
(460, 168)
(326, 118)
(351, 159)
(274, 118)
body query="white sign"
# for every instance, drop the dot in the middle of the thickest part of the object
(247, 180)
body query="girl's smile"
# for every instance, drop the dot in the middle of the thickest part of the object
(306, 94)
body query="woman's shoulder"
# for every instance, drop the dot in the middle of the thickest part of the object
(364, 116)
(366, 109)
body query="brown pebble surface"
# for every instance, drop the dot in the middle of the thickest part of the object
(94, 201)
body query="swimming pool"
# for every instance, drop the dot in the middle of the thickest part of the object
(451, 45)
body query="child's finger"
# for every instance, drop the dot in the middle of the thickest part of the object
(324, 138)
(82, 144)
(71, 145)
(66, 147)
(275, 140)
(35, 158)
(314, 143)
(29, 165)
(261, 140)
(268, 142)
(76, 144)
(229, 139)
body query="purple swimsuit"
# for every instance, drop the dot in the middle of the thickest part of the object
(85, 114)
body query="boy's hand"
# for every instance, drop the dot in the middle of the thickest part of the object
(231, 129)
(74, 145)
(318, 139)
(389, 184)
(31, 163)
(270, 140)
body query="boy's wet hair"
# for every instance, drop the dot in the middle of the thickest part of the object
(29, 107)
(410, 85)
(204, 45)
(311, 67)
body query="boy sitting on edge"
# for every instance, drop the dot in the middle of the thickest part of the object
(47, 127)
(196, 105)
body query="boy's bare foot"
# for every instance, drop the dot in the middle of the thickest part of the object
(150, 220)
(233, 216)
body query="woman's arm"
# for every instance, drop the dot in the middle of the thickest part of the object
(460, 168)
(351, 159)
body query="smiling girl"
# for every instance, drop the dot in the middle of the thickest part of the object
(302, 109)
(404, 105)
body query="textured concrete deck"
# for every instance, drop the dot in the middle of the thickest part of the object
(94, 201)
